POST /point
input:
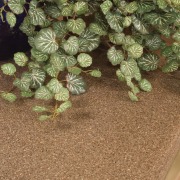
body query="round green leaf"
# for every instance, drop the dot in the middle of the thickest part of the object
(76, 26)
(20, 59)
(39, 109)
(106, 6)
(84, 60)
(128, 67)
(132, 96)
(74, 70)
(62, 95)
(135, 50)
(75, 84)
(115, 56)
(45, 41)
(71, 46)
(43, 93)
(96, 73)
(10, 97)
(8, 69)
(80, 8)
(44, 117)
(145, 85)
(54, 85)
(16, 6)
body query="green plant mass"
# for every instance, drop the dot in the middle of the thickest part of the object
(62, 33)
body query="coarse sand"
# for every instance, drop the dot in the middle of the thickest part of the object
(104, 136)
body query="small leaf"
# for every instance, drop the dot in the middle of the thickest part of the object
(38, 55)
(135, 50)
(44, 117)
(11, 19)
(115, 56)
(37, 16)
(145, 85)
(20, 59)
(27, 94)
(16, 6)
(96, 73)
(23, 84)
(45, 41)
(153, 42)
(148, 62)
(8, 69)
(64, 106)
(131, 7)
(9, 97)
(88, 41)
(57, 62)
(71, 46)
(75, 84)
(132, 96)
(80, 8)
(170, 66)
(76, 26)
(37, 77)
(106, 6)
(84, 60)
(97, 29)
(60, 28)
(74, 70)
(62, 95)
(115, 21)
(54, 85)
(39, 109)
(127, 21)
(128, 67)
(43, 93)
(120, 75)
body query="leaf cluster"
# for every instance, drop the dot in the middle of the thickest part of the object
(62, 33)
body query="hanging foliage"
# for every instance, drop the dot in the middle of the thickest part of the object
(61, 39)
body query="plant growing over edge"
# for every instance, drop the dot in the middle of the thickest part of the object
(62, 36)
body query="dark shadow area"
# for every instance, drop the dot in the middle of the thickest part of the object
(12, 40)
(171, 83)
(81, 116)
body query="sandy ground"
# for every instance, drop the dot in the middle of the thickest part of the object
(104, 136)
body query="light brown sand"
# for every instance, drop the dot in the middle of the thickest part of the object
(103, 137)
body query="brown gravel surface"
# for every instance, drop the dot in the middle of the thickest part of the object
(104, 136)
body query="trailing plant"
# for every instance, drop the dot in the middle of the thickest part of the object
(62, 33)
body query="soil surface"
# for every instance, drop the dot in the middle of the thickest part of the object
(104, 136)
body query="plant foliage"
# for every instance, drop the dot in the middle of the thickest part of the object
(62, 33)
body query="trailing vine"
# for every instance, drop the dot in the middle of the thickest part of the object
(62, 33)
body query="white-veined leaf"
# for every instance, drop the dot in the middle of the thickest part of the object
(20, 59)
(8, 69)
(76, 26)
(43, 93)
(71, 46)
(148, 62)
(11, 19)
(62, 95)
(145, 85)
(54, 85)
(84, 60)
(75, 84)
(45, 41)
(115, 56)
(10, 97)
(135, 50)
